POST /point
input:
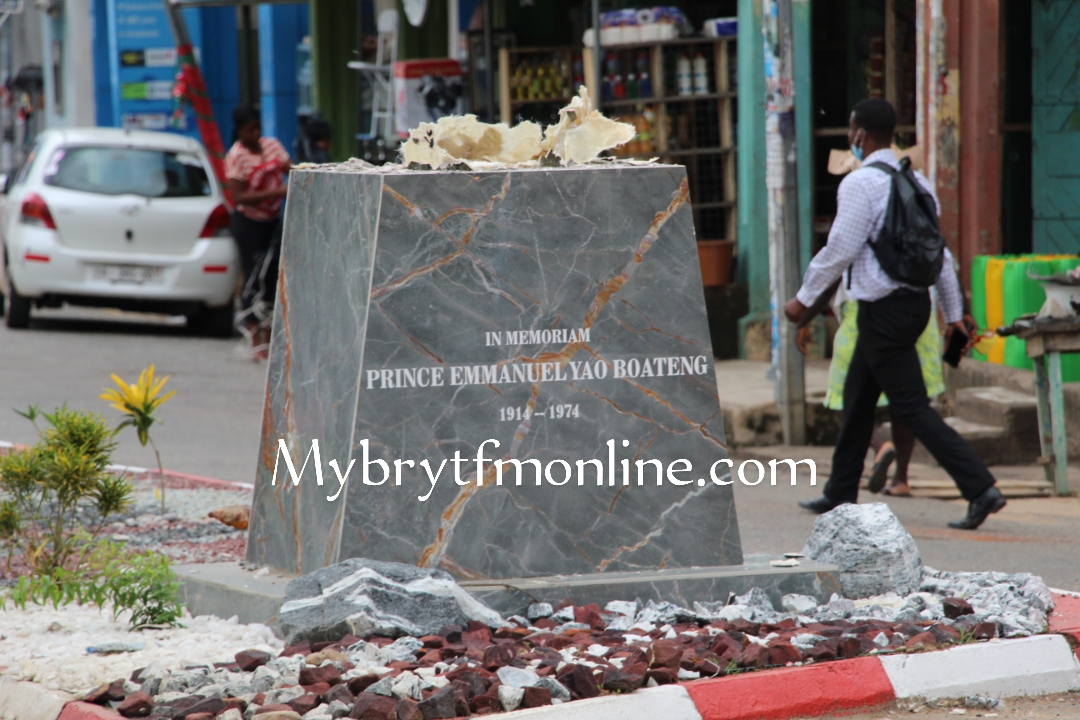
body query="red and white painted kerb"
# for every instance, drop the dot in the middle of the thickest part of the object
(1039, 665)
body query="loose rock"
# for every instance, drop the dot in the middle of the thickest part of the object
(376, 597)
(875, 553)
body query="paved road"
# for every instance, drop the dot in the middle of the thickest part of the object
(211, 426)
(1036, 708)
(1038, 535)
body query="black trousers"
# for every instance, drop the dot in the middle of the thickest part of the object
(885, 361)
(259, 245)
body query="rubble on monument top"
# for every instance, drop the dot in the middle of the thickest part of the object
(579, 137)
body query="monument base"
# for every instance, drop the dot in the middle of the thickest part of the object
(682, 586)
(226, 589)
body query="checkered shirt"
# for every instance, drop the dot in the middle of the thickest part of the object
(861, 202)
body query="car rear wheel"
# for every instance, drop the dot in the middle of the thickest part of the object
(18, 310)
(212, 322)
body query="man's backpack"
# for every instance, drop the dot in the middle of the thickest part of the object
(910, 248)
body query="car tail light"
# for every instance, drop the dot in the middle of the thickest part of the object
(36, 257)
(36, 212)
(215, 268)
(217, 225)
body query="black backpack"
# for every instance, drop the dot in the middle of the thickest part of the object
(910, 248)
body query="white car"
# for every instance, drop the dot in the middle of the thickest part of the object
(132, 220)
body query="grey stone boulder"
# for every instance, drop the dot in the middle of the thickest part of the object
(875, 553)
(362, 597)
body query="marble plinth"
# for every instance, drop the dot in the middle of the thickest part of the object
(682, 586)
(558, 312)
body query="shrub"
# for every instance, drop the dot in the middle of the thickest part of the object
(141, 582)
(57, 487)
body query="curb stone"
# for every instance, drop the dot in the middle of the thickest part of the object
(77, 710)
(30, 701)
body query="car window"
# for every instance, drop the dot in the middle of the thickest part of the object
(28, 161)
(121, 171)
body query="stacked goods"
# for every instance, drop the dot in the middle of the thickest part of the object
(1001, 291)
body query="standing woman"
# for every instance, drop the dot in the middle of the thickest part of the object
(256, 167)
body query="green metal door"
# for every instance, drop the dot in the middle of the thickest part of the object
(1055, 125)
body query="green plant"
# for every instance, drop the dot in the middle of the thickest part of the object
(141, 582)
(139, 401)
(53, 489)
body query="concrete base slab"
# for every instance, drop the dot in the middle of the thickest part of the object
(226, 589)
(681, 586)
(28, 701)
(1038, 665)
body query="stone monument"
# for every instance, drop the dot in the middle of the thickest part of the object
(549, 318)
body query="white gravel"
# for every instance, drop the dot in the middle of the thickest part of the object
(48, 646)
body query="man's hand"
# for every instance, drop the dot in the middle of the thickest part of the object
(794, 309)
(804, 339)
(959, 326)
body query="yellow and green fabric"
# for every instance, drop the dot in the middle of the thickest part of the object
(928, 347)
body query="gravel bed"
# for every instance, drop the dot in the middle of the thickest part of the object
(49, 645)
(563, 653)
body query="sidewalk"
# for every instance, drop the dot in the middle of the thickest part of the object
(748, 400)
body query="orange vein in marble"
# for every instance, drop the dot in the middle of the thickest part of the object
(475, 217)
(433, 553)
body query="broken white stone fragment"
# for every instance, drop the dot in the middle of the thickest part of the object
(581, 134)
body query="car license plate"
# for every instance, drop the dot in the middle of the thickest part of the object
(128, 274)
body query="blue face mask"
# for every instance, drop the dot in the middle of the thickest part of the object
(856, 150)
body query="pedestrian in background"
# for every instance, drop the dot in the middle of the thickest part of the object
(891, 317)
(256, 168)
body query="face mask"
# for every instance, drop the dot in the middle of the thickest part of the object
(856, 150)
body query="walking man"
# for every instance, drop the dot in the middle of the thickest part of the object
(891, 317)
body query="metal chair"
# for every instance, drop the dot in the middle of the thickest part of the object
(380, 75)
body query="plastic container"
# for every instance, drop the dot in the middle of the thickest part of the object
(701, 75)
(721, 27)
(684, 76)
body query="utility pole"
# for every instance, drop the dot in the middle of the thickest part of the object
(783, 196)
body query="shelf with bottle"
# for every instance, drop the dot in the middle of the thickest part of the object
(685, 115)
(537, 76)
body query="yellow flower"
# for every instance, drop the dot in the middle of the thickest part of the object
(138, 400)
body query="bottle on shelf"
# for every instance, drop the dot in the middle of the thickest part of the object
(632, 87)
(683, 75)
(563, 81)
(536, 84)
(618, 88)
(701, 75)
(579, 73)
(641, 64)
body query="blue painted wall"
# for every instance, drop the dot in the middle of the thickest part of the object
(213, 33)
(281, 28)
(103, 101)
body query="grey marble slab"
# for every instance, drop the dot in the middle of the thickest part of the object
(469, 295)
(316, 348)
(683, 587)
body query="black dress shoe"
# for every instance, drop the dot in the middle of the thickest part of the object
(990, 501)
(822, 505)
